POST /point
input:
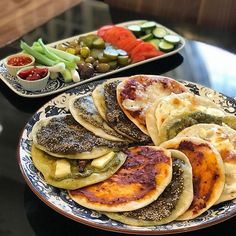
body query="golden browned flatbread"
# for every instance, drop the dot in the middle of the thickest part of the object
(172, 203)
(142, 178)
(137, 93)
(208, 172)
(224, 139)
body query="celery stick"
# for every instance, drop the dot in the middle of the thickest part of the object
(65, 55)
(66, 76)
(38, 56)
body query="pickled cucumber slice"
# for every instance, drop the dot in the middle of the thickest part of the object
(98, 43)
(111, 53)
(123, 60)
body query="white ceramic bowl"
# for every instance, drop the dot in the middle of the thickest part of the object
(14, 69)
(33, 85)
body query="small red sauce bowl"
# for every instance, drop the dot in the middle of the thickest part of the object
(18, 61)
(33, 78)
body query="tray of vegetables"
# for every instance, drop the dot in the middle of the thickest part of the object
(90, 56)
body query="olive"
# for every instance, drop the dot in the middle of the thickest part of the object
(95, 63)
(61, 47)
(102, 67)
(70, 50)
(73, 43)
(85, 70)
(113, 64)
(77, 49)
(90, 60)
(84, 52)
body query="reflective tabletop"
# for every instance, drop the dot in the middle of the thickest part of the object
(207, 59)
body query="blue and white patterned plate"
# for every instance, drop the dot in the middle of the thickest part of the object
(57, 85)
(59, 200)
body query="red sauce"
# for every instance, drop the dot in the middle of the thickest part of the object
(33, 73)
(19, 61)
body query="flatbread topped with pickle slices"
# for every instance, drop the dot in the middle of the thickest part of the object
(84, 111)
(142, 178)
(178, 111)
(74, 174)
(105, 100)
(208, 173)
(172, 203)
(62, 136)
(224, 139)
(137, 93)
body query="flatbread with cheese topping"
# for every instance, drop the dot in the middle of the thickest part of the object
(137, 93)
(84, 111)
(208, 173)
(142, 178)
(224, 139)
(73, 174)
(172, 203)
(178, 111)
(62, 136)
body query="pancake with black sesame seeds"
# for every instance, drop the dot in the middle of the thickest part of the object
(73, 174)
(84, 111)
(208, 173)
(141, 179)
(115, 117)
(224, 139)
(62, 136)
(173, 202)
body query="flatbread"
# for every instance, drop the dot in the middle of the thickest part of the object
(107, 105)
(224, 140)
(62, 136)
(98, 96)
(172, 203)
(208, 173)
(84, 111)
(137, 93)
(142, 178)
(178, 111)
(46, 165)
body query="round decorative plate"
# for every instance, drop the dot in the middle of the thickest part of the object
(59, 200)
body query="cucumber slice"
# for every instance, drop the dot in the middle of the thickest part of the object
(135, 29)
(122, 52)
(165, 46)
(149, 25)
(110, 53)
(174, 39)
(155, 42)
(147, 37)
(159, 32)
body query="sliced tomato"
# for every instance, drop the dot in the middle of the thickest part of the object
(101, 31)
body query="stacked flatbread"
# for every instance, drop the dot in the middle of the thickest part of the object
(142, 150)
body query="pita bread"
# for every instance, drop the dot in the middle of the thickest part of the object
(62, 136)
(142, 178)
(224, 139)
(208, 173)
(137, 93)
(74, 179)
(84, 111)
(172, 203)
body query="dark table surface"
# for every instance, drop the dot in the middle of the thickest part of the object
(207, 59)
